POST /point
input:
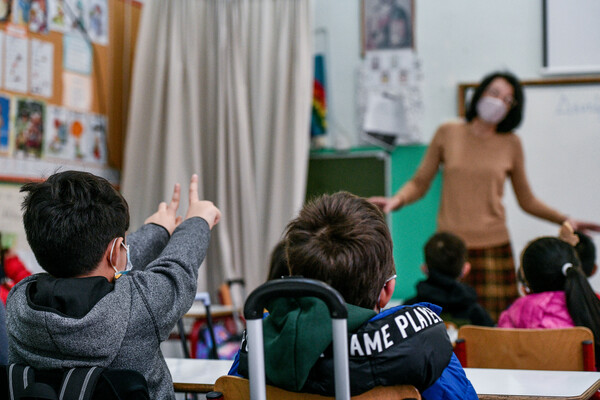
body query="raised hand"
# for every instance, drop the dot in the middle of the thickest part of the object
(201, 208)
(166, 216)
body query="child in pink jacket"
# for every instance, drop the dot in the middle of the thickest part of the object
(559, 294)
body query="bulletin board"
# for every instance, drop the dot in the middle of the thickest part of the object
(560, 134)
(76, 126)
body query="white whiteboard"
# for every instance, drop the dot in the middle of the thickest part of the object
(560, 133)
(571, 36)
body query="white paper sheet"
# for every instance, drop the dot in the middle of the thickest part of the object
(77, 54)
(77, 91)
(42, 68)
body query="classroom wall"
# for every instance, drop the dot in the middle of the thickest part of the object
(457, 41)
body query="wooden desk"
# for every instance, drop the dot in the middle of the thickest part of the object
(196, 376)
(216, 311)
(516, 384)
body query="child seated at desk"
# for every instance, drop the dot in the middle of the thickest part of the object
(87, 311)
(445, 263)
(344, 241)
(559, 294)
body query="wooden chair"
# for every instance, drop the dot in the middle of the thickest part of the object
(568, 349)
(233, 387)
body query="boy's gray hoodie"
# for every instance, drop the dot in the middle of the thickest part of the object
(124, 327)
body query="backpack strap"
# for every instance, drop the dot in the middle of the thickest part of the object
(22, 384)
(79, 383)
(19, 377)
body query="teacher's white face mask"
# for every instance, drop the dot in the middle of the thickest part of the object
(491, 109)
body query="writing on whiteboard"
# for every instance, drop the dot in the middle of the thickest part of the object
(578, 106)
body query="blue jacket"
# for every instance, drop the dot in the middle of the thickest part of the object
(402, 345)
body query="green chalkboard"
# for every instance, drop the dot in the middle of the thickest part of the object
(362, 173)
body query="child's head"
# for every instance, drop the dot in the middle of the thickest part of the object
(279, 266)
(447, 254)
(343, 240)
(543, 261)
(586, 250)
(70, 220)
(550, 264)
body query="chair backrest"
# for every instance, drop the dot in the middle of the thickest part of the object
(568, 349)
(233, 387)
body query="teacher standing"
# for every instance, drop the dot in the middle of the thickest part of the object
(478, 155)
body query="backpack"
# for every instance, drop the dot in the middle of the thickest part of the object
(22, 382)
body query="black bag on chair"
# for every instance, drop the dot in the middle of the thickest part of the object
(21, 382)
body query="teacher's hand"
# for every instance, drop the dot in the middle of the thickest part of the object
(386, 204)
(584, 226)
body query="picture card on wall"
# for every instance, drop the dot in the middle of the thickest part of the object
(38, 16)
(96, 149)
(77, 91)
(77, 54)
(96, 21)
(56, 136)
(16, 63)
(4, 124)
(20, 12)
(28, 127)
(4, 10)
(58, 18)
(42, 67)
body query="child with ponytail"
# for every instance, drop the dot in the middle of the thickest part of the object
(559, 294)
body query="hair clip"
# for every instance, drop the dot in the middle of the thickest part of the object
(566, 267)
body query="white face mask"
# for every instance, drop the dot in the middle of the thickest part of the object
(128, 267)
(491, 109)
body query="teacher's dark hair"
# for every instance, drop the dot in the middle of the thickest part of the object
(515, 114)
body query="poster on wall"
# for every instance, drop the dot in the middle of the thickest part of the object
(77, 91)
(96, 150)
(42, 68)
(96, 21)
(77, 54)
(56, 138)
(20, 12)
(77, 128)
(4, 10)
(58, 17)
(4, 125)
(38, 16)
(387, 25)
(28, 127)
(16, 63)
(75, 136)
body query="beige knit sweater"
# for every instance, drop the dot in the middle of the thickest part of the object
(474, 171)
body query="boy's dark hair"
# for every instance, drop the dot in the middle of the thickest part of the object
(279, 266)
(342, 240)
(70, 219)
(586, 250)
(446, 253)
(515, 114)
(545, 266)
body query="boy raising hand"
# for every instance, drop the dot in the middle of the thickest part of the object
(107, 299)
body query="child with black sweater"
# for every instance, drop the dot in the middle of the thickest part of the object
(445, 264)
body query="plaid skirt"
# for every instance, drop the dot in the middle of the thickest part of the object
(493, 278)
